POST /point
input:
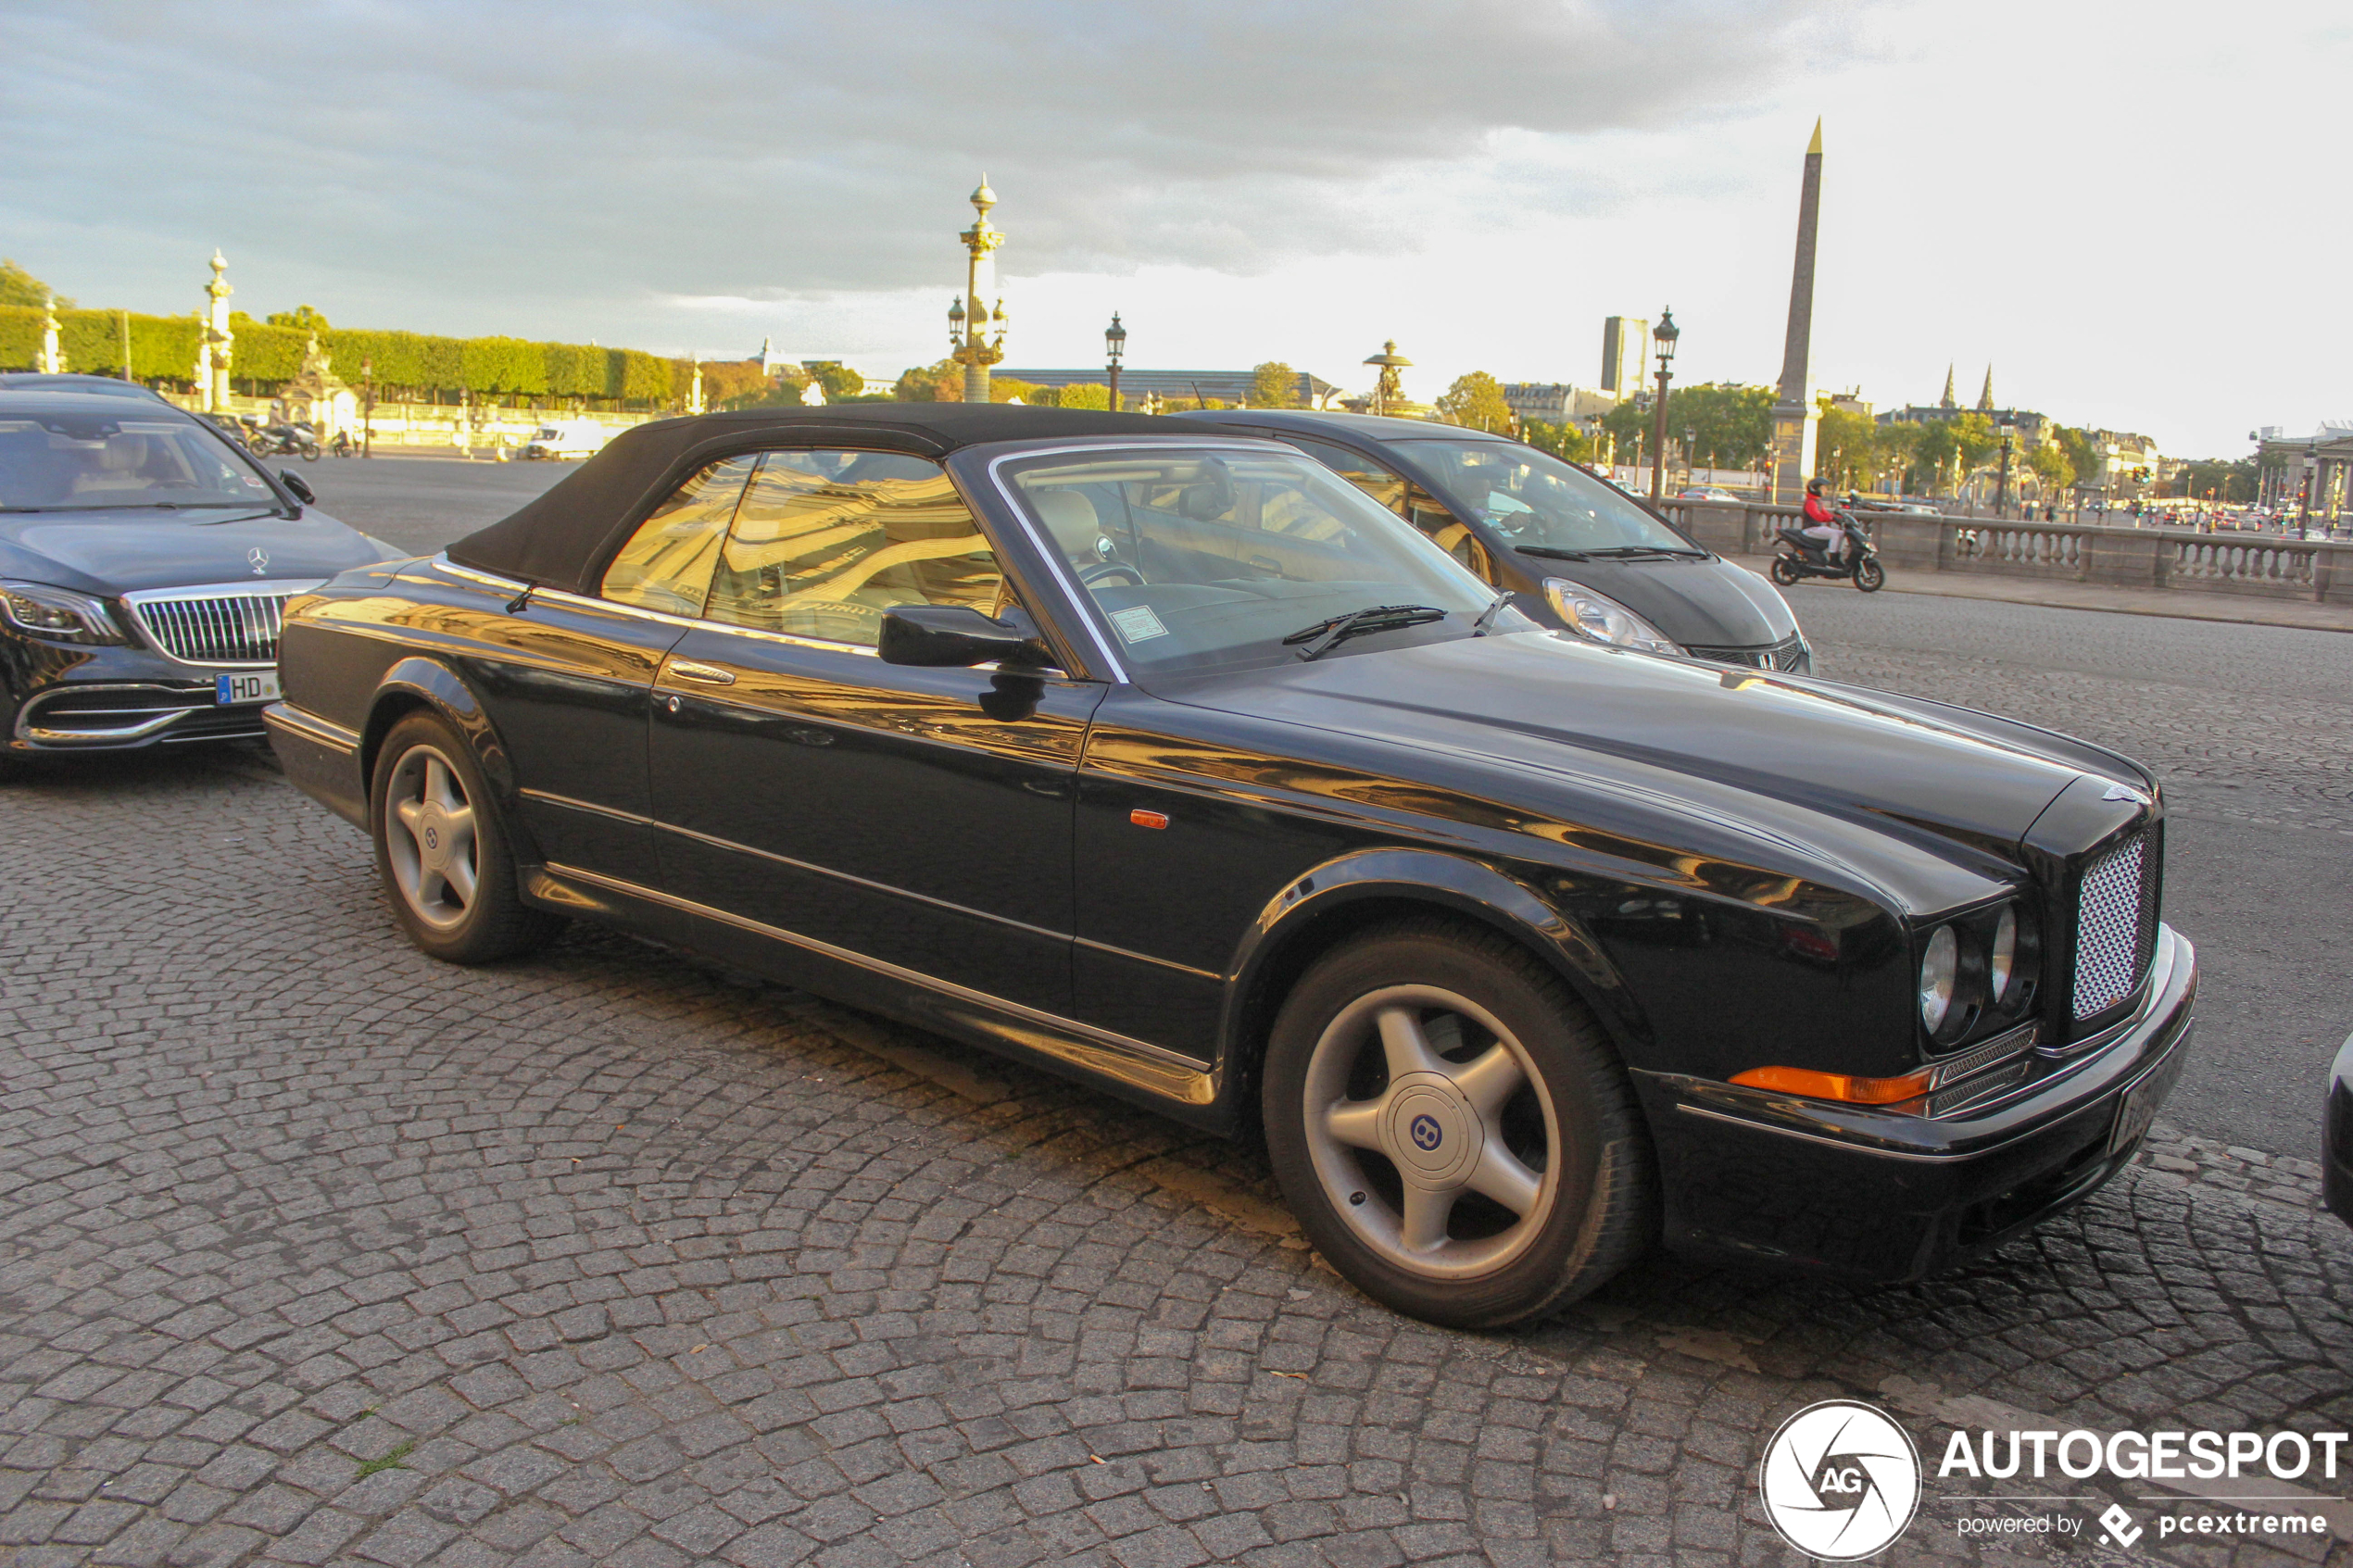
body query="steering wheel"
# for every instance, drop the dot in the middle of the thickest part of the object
(1101, 575)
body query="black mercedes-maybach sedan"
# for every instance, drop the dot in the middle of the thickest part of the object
(1173, 762)
(1577, 551)
(144, 564)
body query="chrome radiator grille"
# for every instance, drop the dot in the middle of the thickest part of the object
(1783, 655)
(2115, 924)
(216, 628)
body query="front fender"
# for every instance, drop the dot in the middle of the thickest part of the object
(418, 679)
(1362, 883)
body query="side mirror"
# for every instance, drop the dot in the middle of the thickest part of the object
(955, 635)
(302, 491)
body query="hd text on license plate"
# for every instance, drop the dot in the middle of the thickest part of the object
(262, 685)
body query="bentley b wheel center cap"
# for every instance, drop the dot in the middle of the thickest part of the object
(433, 838)
(1434, 1134)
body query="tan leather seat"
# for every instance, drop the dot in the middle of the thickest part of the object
(1070, 518)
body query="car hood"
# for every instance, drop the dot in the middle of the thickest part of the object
(110, 553)
(1710, 603)
(1789, 757)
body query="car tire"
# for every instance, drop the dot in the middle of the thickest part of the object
(1870, 576)
(1529, 1180)
(1783, 570)
(443, 852)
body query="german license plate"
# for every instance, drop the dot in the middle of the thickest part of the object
(262, 685)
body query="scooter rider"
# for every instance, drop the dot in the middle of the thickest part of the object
(1822, 526)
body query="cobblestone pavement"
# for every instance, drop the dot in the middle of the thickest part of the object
(314, 1252)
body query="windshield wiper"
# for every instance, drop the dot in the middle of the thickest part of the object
(1552, 552)
(1486, 621)
(1325, 635)
(1625, 552)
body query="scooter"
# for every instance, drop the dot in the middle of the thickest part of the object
(1800, 557)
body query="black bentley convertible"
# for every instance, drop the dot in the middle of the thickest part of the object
(1171, 761)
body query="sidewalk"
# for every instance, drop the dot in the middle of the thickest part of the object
(2244, 610)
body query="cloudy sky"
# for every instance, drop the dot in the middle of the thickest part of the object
(2135, 213)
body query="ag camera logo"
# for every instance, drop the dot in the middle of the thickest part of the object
(1839, 1480)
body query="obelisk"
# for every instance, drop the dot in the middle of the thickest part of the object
(1796, 420)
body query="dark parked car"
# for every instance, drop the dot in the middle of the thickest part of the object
(143, 562)
(66, 380)
(1579, 552)
(1172, 762)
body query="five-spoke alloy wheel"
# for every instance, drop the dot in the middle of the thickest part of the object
(1453, 1131)
(442, 851)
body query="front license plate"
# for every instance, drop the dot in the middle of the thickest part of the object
(2139, 1106)
(259, 687)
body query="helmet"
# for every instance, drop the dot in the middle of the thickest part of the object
(1814, 486)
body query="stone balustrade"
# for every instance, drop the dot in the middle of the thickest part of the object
(2267, 565)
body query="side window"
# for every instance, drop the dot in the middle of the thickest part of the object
(824, 542)
(667, 563)
(1363, 472)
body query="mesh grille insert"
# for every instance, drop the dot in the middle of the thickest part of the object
(2115, 925)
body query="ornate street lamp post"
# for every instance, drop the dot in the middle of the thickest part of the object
(368, 418)
(1115, 345)
(2001, 481)
(2304, 511)
(970, 344)
(1664, 335)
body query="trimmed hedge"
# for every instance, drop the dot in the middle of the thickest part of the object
(164, 348)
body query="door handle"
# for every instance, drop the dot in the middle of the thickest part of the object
(709, 674)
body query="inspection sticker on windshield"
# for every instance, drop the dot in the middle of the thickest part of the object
(1138, 623)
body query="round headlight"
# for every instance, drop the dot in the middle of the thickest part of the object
(2004, 957)
(1938, 966)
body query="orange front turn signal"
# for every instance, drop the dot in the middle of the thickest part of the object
(1836, 1085)
(1144, 819)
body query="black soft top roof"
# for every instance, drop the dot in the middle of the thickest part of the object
(563, 539)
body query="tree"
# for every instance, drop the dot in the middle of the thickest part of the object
(302, 317)
(838, 380)
(1731, 427)
(20, 287)
(2077, 445)
(1846, 449)
(1084, 394)
(1273, 386)
(1475, 402)
(2049, 464)
(1566, 442)
(943, 382)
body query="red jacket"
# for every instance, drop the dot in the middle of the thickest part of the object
(1817, 512)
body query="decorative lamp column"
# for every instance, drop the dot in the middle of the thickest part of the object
(1389, 387)
(1114, 345)
(694, 392)
(217, 340)
(2002, 480)
(2312, 467)
(52, 362)
(1664, 336)
(969, 318)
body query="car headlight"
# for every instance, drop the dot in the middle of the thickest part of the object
(1939, 965)
(2002, 963)
(57, 614)
(1603, 620)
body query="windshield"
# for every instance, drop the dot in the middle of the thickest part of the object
(1534, 500)
(80, 462)
(1198, 560)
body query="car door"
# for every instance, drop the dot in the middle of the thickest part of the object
(567, 679)
(920, 818)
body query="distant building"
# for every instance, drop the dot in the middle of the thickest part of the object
(1625, 346)
(1218, 386)
(1557, 403)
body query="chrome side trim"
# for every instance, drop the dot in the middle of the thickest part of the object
(831, 875)
(549, 797)
(1139, 1063)
(310, 727)
(1147, 958)
(441, 562)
